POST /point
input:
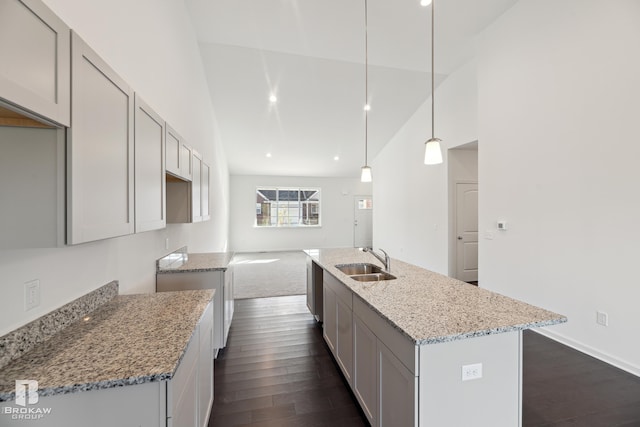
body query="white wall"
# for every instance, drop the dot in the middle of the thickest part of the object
(151, 44)
(337, 210)
(410, 218)
(558, 112)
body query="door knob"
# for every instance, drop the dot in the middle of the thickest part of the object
(459, 237)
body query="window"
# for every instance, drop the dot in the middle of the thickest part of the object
(287, 207)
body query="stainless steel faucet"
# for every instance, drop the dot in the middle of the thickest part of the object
(386, 260)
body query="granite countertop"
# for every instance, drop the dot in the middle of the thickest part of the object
(431, 308)
(193, 263)
(132, 339)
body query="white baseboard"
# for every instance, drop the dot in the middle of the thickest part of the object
(607, 358)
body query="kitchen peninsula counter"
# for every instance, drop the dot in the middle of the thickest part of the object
(429, 307)
(131, 339)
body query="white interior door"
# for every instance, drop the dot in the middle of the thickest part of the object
(363, 222)
(467, 231)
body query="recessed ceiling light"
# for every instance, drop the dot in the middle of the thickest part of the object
(367, 107)
(425, 2)
(269, 155)
(273, 99)
(336, 158)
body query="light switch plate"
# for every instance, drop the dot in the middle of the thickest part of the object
(31, 294)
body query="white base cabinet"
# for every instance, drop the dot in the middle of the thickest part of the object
(183, 401)
(223, 302)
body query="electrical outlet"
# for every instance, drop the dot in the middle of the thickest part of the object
(31, 294)
(602, 318)
(166, 243)
(472, 372)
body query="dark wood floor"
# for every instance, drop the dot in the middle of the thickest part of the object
(564, 387)
(277, 371)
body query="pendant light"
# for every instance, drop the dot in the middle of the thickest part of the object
(432, 151)
(365, 175)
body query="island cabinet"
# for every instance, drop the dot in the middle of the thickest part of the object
(150, 201)
(35, 71)
(338, 323)
(314, 289)
(401, 383)
(100, 150)
(385, 381)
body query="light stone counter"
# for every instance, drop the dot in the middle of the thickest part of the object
(131, 339)
(178, 262)
(430, 308)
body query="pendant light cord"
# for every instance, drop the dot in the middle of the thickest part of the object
(366, 83)
(433, 102)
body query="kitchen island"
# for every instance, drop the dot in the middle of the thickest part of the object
(424, 349)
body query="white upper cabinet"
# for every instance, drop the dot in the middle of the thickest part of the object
(196, 188)
(35, 70)
(150, 199)
(179, 162)
(186, 161)
(204, 191)
(100, 150)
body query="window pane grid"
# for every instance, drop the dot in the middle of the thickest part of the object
(287, 207)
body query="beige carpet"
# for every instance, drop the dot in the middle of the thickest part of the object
(269, 274)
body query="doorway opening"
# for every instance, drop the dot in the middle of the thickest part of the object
(463, 212)
(363, 222)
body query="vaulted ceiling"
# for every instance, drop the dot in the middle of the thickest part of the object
(310, 55)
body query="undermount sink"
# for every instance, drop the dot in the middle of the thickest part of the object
(362, 268)
(373, 277)
(365, 272)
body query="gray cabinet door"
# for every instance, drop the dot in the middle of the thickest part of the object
(173, 145)
(196, 188)
(365, 369)
(204, 191)
(344, 354)
(330, 325)
(150, 203)
(396, 391)
(34, 71)
(100, 150)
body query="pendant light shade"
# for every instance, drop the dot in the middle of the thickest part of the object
(365, 175)
(432, 150)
